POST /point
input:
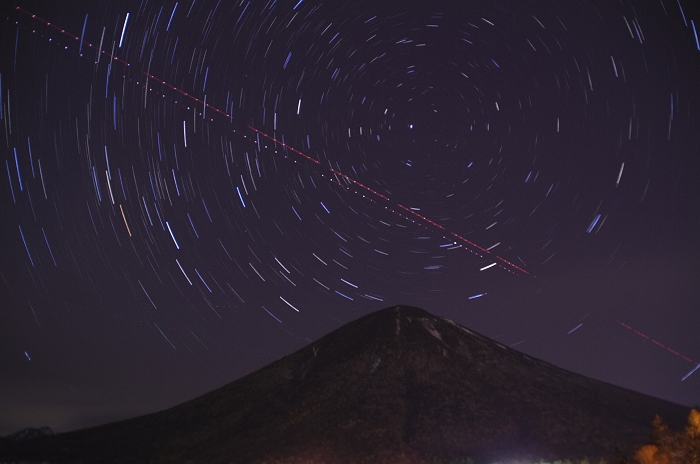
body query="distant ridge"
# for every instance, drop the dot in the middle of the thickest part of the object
(30, 434)
(398, 385)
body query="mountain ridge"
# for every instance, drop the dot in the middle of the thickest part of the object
(399, 383)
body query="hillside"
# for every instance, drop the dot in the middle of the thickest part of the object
(399, 385)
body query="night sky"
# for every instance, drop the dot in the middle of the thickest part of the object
(194, 189)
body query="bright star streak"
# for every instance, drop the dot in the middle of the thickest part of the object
(691, 372)
(121, 40)
(289, 304)
(172, 235)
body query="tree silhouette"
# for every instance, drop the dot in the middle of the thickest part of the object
(669, 447)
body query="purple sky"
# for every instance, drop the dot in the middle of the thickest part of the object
(526, 169)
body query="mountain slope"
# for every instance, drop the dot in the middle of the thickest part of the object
(399, 385)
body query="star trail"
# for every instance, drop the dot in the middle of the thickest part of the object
(195, 189)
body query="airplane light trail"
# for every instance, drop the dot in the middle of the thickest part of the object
(661, 345)
(504, 263)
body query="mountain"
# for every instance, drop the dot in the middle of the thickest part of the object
(398, 385)
(30, 434)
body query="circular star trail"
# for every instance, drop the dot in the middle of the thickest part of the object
(194, 189)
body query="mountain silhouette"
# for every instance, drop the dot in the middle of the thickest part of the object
(398, 385)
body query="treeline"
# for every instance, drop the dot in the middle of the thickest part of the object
(666, 447)
(671, 447)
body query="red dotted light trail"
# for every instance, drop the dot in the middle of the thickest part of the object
(374, 197)
(448, 235)
(661, 345)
